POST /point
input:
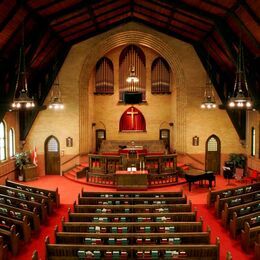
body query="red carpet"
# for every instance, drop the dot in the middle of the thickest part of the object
(69, 192)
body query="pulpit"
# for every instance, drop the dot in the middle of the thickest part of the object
(30, 172)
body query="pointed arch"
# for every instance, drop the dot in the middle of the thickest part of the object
(52, 155)
(104, 76)
(132, 120)
(132, 56)
(213, 152)
(160, 76)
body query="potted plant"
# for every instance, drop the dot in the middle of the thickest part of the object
(21, 160)
(239, 161)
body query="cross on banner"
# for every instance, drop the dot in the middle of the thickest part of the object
(132, 114)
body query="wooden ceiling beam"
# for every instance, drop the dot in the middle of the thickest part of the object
(254, 16)
(97, 23)
(170, 18)
(11, 14)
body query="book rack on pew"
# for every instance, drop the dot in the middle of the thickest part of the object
(132, 226)
(22, 211)
(239, 209)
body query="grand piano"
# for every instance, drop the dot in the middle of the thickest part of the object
(193, 175)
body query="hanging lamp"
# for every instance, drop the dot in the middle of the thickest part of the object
(209, 101)
(240, 98)
(56, 100)
(23, 101)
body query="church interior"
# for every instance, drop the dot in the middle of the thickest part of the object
(129, 129)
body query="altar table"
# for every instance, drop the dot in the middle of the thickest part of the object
(132, 180)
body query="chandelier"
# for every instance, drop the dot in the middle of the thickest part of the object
(23, 101)
(56, 101)
(132, 78)
(240, 98)
(209, 101)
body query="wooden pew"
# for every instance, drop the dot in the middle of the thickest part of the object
(237, 223)
(22, 226)
(132, 238)
(257, 247)
(133, 227)
(3, 249)
(131, 201)
(26, 195)
(26, 204)
(249, 236)
(11, 238)
(212, 195)
(235, 200)
(52, 194)
(70, 251)
(16, 213)
(132, 208)
(131, 194)
(227, 212)
(35, 255)
(132, 217)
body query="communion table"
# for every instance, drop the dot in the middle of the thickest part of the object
(132, 180)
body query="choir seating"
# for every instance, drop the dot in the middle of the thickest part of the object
(53, 195)
(249, 235)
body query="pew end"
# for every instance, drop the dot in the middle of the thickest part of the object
(35, 255)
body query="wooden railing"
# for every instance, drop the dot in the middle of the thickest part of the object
(101, 179)
(154, 180)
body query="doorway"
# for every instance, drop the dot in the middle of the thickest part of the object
(165, 136)
(100, 136)
(52, 156)
(213, 151)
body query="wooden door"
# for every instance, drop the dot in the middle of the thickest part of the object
(165, 136)
(52, 156)
(213, 154)
(100, 136)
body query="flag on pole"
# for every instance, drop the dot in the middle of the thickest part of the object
(34, 156)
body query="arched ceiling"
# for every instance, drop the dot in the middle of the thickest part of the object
(51, 27)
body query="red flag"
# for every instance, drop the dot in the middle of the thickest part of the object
(34, 156)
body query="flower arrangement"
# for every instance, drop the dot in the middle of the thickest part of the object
(22, 159)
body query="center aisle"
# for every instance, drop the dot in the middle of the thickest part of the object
(69, 191)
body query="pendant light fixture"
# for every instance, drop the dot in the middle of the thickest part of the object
(132, 78)
(23, 101)
(209, 101)
(56, 100)
(240, 98)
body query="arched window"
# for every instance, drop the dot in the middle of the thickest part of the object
(104, 76)
(11, 141)
(253, 141)
(160, 74)
(132, 60)
(2, 141)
